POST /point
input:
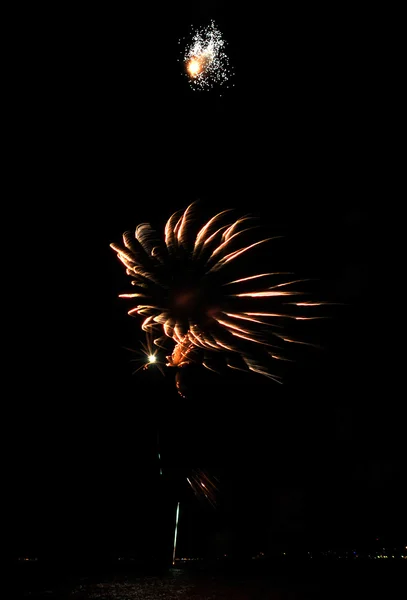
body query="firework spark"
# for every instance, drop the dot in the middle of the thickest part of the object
(175, 534)
(148, 355)
(192, 287)
(203, 486)
(205, 60)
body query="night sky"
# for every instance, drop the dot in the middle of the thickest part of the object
(107, 134)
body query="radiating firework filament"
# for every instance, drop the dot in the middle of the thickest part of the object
(186, 290)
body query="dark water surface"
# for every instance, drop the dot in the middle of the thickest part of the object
(245, 582)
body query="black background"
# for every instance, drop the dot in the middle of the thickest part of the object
(106, 133)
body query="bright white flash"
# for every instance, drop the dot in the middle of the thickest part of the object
(205, 59)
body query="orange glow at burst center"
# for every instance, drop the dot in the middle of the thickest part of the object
(194, 67)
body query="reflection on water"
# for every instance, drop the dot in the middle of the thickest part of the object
(176, 584)
(293, 581)
(172, 586)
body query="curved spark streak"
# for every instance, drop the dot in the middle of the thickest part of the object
(265, 294)
(255, 277)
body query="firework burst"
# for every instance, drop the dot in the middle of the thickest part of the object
(205, 60)
(200, 288)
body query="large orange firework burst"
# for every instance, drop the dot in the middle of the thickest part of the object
(200, 288)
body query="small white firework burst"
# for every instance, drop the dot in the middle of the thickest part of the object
(205, 60)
